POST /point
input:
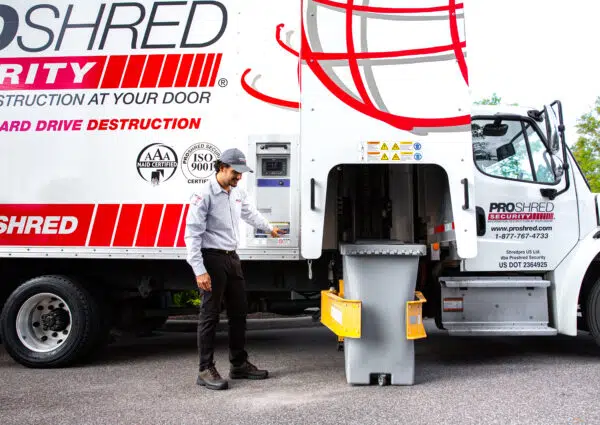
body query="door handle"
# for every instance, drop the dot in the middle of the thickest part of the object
(465, 183)
(480, 216)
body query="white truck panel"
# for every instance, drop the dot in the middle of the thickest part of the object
(372, 97)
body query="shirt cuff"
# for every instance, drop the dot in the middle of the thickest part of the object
(199, 269)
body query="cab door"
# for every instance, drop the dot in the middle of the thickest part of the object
(521, 225)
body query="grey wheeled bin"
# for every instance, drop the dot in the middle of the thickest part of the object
(382, 276)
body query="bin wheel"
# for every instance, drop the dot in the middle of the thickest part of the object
(51, 321)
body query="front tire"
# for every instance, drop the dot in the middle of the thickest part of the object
(50, 321)
(592, 311)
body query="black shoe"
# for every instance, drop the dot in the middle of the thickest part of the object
(247, 371)
(211, 379)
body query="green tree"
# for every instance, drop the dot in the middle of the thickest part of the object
(587, 148)
(493, 100)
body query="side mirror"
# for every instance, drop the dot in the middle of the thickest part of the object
(505, 151)
(552, 133)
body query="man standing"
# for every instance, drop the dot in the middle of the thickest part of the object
(211, 238)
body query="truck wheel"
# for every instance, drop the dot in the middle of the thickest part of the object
(592, 311)
(50, 321)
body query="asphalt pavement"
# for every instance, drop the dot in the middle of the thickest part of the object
(529, 380)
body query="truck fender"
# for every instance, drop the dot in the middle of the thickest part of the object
(567, 279)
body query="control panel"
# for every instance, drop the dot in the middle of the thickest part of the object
(274, 192)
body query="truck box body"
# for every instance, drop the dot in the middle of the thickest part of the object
(114, 112)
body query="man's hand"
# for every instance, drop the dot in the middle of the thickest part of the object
(277, 232)
(203, 282)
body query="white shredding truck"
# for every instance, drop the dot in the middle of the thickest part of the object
(401, 199)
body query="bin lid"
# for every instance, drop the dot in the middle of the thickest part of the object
(383, 248)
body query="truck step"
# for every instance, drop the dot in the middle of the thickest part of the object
(462, 329)
(494, 282)
(495, 305)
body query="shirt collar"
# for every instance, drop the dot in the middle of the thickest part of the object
(215, 186)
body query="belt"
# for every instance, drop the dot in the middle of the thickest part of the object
(218, 251)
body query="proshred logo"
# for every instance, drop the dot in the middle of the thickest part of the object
(47, 26)
(45, 225)
(27, 225)
(521, 211)
(135, 26)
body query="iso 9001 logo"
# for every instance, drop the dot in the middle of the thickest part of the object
(157, 163)
(197, 163)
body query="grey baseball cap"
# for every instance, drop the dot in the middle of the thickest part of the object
(236, 159)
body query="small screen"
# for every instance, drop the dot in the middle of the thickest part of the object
(274, 167)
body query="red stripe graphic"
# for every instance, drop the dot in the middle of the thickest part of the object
(109, 72)
(184, 70)
(152, 71)
(180, 239)
(215, 70)
(133, 73)
(104, 225)
(149, 225)
(210, 58)
(127, 225)
(114, 72)
(195, 75)
(170, 224)
(169, 69)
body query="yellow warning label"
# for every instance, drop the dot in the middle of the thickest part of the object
(384, 147)
(395, 147)
(396, 157)
(384, 157)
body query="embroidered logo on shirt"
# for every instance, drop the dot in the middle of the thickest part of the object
(196, 199)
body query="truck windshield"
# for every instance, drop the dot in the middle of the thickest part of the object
(519, 154)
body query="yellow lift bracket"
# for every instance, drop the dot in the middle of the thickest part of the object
(414, 317)
(341, 316)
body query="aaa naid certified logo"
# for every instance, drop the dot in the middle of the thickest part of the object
(197, 163)
(157, 163)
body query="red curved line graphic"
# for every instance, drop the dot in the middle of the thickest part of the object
(388, 10)
(281, 43)
(386, 55)
(352, 60)
(403, 123)
(265, 98)
(460, 57)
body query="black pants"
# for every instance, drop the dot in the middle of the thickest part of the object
(228, 285)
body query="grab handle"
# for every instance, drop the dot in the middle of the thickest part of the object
(465, 183)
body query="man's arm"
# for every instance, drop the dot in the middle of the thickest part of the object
(194, 229)
(252, 216)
